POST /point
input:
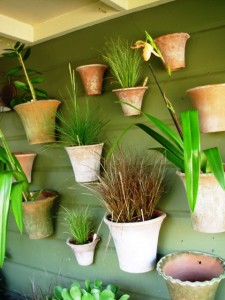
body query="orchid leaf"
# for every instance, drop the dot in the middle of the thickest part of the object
(192, 158)
(16, 202)
(171, 157)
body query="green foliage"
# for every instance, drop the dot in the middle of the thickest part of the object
(92, 291)
(76, 126)
(21, 53)
(79, 224)
(124, 63)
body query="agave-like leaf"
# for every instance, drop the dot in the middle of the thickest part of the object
(192, 157)
(214, 159)
(107, 295)
(75, 293)
(5, 191)
(57, 292)
(87, 297)
(66, 294)
(124, 297)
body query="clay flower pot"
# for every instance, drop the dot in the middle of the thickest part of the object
(172, 47)
(191, 275)
(84, 253)
(209, 100)
(26, 160)
(133, 96)
(136, 243)
(86, 161)
(92, 77)
(38, 118)
(209, 212)
(37, 215)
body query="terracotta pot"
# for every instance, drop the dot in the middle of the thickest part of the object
(37, 215)
(83, 253)
(172, 47)
(26, 160)
(86, 161)
(92, 77)
(133, 96)
(210, 206)
(209, 100)
(38, 118)
(136, 243)
(191, 275)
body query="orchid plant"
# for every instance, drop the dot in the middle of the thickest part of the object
(182, 147)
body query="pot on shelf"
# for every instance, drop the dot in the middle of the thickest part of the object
(26, 160)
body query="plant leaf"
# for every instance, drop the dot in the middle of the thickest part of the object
(27, 53)
(57, 292)
(16, 202)
(13, 71)
(75, 292)
(124, 297)
(37, 79)
(192, 157)
(21, 85)
(10, 54)
(214, 159)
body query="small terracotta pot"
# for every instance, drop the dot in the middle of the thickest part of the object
(92, 78)
(38, 118)
(26, 160)
(133, 96)
(209, 100)
(86, 161)
(37, 215)
(172, 47)
(191, 275)
(83, 253)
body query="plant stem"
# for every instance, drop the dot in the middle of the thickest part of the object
(27, 77)
(168, 105)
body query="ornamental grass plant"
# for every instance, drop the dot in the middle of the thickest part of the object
(131, 186)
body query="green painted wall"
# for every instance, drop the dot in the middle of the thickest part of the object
(48, 260)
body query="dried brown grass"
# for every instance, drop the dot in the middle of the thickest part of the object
(131, 186)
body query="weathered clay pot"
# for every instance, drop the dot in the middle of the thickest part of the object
(86, 161)
(136, 243)
(37, 215)
(209, 100)
(209, 212)
(38, 118)
(26, 160)
(133, 96)
(83, 253)
(92, 78)
(172, 47)
(191, 275)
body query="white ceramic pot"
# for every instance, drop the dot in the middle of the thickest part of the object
(209, 212)
(86, 161)
(136, 243)
(83, 253)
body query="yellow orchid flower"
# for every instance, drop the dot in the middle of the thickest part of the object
(147, 49)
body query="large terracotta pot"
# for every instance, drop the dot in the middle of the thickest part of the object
(191, 275)
(172, 47)
(92, 78)
(38, 118)
(209, 100)
(133, 96)
(86, 161)
(136, 243)
(209, 212)
(26, 160)
(37, 215)
(83, 253)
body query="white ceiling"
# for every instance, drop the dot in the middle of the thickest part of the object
(34, 21)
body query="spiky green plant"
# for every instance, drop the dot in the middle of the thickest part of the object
(79, 224)
(125, 64)
(77, 126)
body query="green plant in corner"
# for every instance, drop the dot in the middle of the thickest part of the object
(31, 93)
(14, 188)
(91, 291)
(77, 126)
(182, 147)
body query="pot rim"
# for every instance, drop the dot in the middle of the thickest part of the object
(172, 34)
(69, 239)
(38, 101)
(161, 215)
(205, 86)
(24, 153)
(51, 195)
(190, 283)
(91, 65)
(85, 146)
(131, 88)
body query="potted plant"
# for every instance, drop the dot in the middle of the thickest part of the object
(125, 66)
(79, 130)
(130, 189)
(16, 194)
(90, 291)
(196, 166)
(83, 239)
(38, 117)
